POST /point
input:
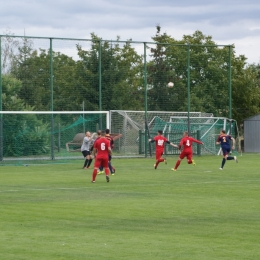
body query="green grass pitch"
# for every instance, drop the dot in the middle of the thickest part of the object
(198, 212)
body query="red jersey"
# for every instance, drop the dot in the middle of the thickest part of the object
(159, 142)
(187, 141)
(102, 145)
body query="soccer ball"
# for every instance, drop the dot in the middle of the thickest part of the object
(170, 85)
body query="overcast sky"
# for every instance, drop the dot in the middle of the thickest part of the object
(227, 21)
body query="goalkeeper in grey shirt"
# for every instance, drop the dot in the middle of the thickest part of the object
(85, 149)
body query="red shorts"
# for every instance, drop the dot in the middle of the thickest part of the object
(187, 153)
(101, 161)
(158, 154)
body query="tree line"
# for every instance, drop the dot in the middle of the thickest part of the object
(123, 75)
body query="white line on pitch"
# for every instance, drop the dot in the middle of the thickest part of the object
(106, 186)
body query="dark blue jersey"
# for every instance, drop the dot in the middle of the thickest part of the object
(224, 140)
(110, 138)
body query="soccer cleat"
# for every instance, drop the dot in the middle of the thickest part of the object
(93, 181)
(155, 167)
(165, 161)
(221, 168)
(235, 158)
(173, 169)
(107, 178)
(193, 162)
(100, 172)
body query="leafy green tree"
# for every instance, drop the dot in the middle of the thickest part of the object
(246, 89)
(167, 64)
(121, 75)
(208, 74)
(33, 69)
(10, 99)
(23, 134)
(209, 77)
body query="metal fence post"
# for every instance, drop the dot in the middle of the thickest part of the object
(51, 89)
(1, 116)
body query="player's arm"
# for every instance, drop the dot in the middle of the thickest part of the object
(109, 150)
(218, 141)
(234, 142)
(151, 140)
(172, 144)
(112, 143)
(197, 141)
(94, 151)
(180, 144)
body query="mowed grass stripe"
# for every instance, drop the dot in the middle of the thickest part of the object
(57, 213)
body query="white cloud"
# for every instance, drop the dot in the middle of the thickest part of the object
(228, 22)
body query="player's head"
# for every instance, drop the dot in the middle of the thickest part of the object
(103, 132)
(87, 133)
(185, 133)
(160, 132)
(107, 131)
(99, 132)
(222, 131)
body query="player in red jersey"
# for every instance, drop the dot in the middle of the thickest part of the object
(101, 152)
(186, 143)
(160, 140)
(111, 168)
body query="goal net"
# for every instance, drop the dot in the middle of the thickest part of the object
(44, 136)
(203, 126)
(48, 137)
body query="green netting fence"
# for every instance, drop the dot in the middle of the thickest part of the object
(46, 137)
(61, 74)
(203, 126)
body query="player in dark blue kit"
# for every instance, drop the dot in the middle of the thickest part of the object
(224, 141)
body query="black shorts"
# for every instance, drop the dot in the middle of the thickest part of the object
(86, 153)
(226, 150)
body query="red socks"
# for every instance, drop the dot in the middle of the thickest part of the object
(94, 175)
(177, 164)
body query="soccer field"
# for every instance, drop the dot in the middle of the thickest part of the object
(198, 212)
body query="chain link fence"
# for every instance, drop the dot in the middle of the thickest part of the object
(55, 74)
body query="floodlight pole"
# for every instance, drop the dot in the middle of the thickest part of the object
(1, 108)
(230, 82)
(230, 88)
(51, 89)
(188, 85)
(99, 82)
(83, 109)
(145, 100)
